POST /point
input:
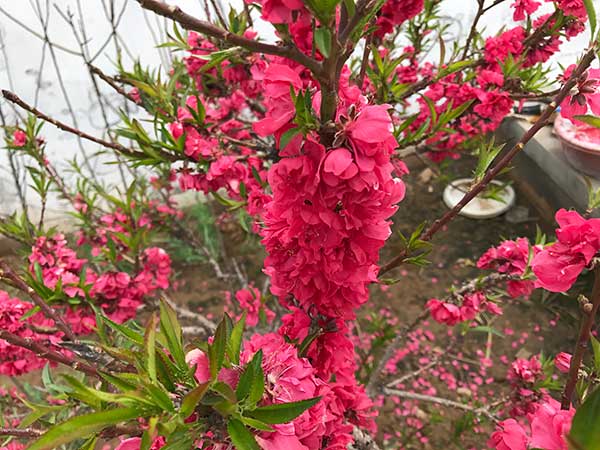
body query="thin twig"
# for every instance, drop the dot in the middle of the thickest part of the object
(585, 330)
(476, 189)
(194, 24)
(21, 432)
(46, 353)
(7, 273)
(12, 97)
(478, 411)
(372, 385)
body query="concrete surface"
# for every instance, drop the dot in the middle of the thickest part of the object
(543, 173)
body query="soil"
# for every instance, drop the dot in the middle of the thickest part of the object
(454, 252)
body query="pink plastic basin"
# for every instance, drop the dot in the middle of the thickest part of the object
(581, 145)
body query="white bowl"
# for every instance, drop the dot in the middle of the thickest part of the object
(479, 207)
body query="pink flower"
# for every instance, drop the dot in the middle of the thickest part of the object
(562, 362)
(250, 300)
(291, 378)
(558, 265)
(587, 94)
(508, 43)
(525, 370)
(135, 443)
(279, 11)
(493, 104)
(134, 93)
(509, 435)
(575, 8)
(199, 359)
(523, 7)
(278, 79)
(19, 138)
(339, 162)
(444, 312)
(550, 426)
(395, 13)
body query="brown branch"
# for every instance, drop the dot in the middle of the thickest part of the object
(478, 187)
(473, 30)
(362, 7)
(206, 28)
(46, 353)
(7, 273)
(537, 96)
(110, 81)
(13, 98)
(482, 284)
(582, 341)
(21, 432)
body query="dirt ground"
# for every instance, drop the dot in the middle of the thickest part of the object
(452, 259)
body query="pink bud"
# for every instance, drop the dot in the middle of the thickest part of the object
(562, 361)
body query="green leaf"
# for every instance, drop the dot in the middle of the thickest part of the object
(585, 428)
(454, 67)
(216, 351)
(256, 424)
(82, 426)
(596, 350)
(191, 400)
(350, 7)
(590, 120)
(323, 41)
(488, 330)
(235, 341)
(252, 381)
(241, 437)
(591, 12)
(150, 341)
(170, 328)
(282, 412)
(287, 137)
(133, 336)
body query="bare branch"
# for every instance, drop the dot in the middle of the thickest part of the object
(12, 97)
(479, 411)
(46, 353)
(192, 23)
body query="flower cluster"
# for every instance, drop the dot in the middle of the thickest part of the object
(324, 227)
(119, 294)
(511, 258)
(395, 12)
(578, 241)
(471, 305)
(587, 94)
(522, 376)
(547, 427)
(250, 301)
(16, 360)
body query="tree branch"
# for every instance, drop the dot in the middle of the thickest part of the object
(542, 121)
(479, 411)
(13, 98)
(585, 330)
(191, 23)
(7, 273)
(46, 353)
(21, 432)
